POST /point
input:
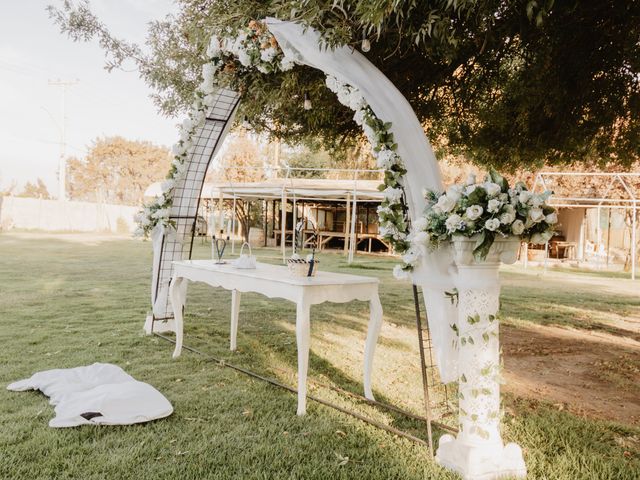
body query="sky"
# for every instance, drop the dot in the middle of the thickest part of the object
(33, 52)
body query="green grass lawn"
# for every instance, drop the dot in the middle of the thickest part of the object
(67, 301)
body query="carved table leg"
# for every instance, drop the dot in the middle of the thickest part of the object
(235, 311)
(177, 294)
(375, 323)
(303, 336)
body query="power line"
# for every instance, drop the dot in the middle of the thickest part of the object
(62, 166)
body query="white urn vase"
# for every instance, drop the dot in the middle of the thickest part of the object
(478, 451)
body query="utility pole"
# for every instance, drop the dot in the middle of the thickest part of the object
(62, 163)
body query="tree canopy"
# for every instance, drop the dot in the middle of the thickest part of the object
(116, 170)
(37, 189)
(503, 83)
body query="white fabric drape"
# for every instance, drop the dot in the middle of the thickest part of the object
(435, 275)
(98, 394)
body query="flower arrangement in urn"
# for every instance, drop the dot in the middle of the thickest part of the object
(485, 211)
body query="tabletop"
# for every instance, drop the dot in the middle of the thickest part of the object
(276, 273)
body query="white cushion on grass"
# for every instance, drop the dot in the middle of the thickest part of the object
(104, 393)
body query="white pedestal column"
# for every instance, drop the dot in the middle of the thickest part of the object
(478, 451)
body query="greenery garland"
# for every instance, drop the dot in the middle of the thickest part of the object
(255, 48)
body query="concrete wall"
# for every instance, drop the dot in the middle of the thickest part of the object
(54, 215)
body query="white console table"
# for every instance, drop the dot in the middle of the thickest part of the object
(274, 281)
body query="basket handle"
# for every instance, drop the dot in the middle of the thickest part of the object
(242, 248)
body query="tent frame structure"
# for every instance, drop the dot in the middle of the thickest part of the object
(630, 201)
(288, 194)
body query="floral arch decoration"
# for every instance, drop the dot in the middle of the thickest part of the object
(426, 227)
(170, 219)
(415, 221)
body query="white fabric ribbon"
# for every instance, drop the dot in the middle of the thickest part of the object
(304, 45)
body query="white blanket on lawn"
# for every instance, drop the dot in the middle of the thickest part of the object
(98, 394)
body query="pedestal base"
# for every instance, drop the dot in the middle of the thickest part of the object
(159, 326)
(486, 462)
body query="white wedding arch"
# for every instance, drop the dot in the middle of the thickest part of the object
(401, 147)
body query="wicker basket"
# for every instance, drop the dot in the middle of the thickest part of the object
(300, 268)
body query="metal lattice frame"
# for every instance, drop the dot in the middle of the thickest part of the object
(186, 200)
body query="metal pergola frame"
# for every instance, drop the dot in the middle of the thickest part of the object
(630, 200)
(288, 191)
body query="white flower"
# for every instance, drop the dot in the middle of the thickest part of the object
(411, 256)
(524, 196)
(492, 189)
(160, 214)
(180, 166)
(214, 50)
(167, 185)
(356, 100)
(199, 117)
(445, 204)
(492, 224)
(507, 218)
(536, 215)
(535, 201)
(392, 194)
(343, 95)
(454, 222)
(469, 190)
(332, 83)
(286, 64)
(209, 72)
(268, 54)
(386, 159)
(207, 88)
(187, 125)
(142, 218)
(177, 150)
(474, 212)
(494, 205)
(471, 179)
(399, 273)
(383, 209)
(517, 227)
(552, 218)
(244, 58)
